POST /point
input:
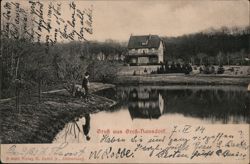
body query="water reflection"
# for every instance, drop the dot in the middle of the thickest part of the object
(76, 130)
(86, 126)
(145, 103)
(144, 106)
(224, 104)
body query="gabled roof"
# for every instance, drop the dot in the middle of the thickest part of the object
(144, 41)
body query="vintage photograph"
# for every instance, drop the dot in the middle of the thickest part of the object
(149, 74)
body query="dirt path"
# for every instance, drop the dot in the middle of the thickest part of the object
(94, 86)
(40, 122)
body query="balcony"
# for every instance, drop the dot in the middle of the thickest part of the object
(155, 53)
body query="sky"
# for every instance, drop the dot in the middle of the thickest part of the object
(119, 19)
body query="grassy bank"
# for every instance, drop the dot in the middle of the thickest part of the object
(168, 79)
(39, 122)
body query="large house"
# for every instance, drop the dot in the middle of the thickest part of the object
(145, 50)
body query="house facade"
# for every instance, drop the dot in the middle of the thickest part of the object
(145, 50)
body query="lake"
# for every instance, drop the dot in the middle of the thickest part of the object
(149, 106)
(206, 104)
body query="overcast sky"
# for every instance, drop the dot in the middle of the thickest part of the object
(119, 19)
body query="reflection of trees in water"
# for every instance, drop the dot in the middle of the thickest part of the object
(116, 95)
(108, 93)
(70, 129)
(212, 104)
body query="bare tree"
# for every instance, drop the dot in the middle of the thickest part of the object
(70, 69)
(219, 58)
(16, 44)
(201, 56)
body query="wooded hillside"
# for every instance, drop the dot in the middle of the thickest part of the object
(222, 46)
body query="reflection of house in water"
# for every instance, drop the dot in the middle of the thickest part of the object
(145, 103)
(214, 104)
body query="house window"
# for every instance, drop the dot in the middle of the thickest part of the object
(144, 43)
(132, 51)
(143, 60)
(151, 50)
(133, 60)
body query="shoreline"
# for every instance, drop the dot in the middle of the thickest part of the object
(40, 122)
(177, 79)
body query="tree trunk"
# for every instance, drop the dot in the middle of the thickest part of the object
(1, 75)
(11, 65)
(74, 89)
(17, 98)
(242, 60)
(17, 66)
(39, 91)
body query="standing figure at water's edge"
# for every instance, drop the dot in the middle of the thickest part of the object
(85, 85)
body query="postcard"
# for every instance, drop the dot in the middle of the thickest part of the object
(121, 81)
